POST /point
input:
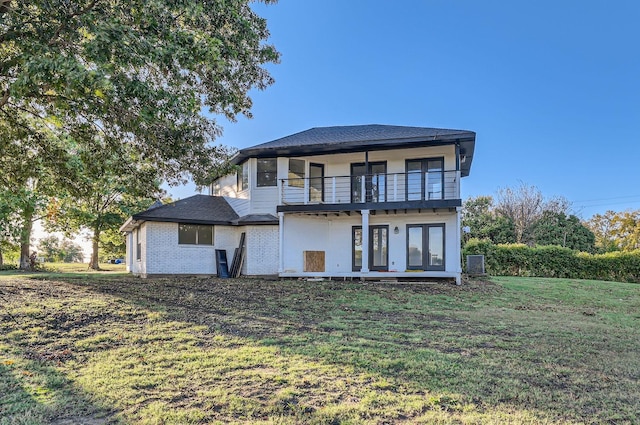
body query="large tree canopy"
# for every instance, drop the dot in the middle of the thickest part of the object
(138, 72)
(132, 78)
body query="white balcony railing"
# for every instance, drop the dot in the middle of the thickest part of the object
(395, 187)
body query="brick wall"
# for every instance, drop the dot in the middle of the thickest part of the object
(262, 250)
(163, 254)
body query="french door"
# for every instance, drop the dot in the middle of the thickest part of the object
(425, 247)
(378, 248)
(425, 179)
(373, 179)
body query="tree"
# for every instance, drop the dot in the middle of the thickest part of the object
(524, 206)
(33, 165)
(71, 252)
(105, 74)
(616, 231)
(112, 245)
(54, 250)
(49, 248)
(480, 217)
(556, 228)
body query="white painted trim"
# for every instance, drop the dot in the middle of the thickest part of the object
(281, 242)
(365, 241)
(374, 274)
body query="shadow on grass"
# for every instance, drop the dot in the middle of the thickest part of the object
(457, 344)
(35, 392)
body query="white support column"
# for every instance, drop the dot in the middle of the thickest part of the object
(333, 190)
(130, 247)
(281, 242)
(365, 242)
(363, 188)
(458, 243)
(306, 191)
(395, 187)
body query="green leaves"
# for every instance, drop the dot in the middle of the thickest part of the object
(138, 72)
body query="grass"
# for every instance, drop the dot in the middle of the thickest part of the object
(107, 348)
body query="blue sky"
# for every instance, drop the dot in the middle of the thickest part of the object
(551, 88)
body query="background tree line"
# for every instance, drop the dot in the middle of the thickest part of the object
(522, 215)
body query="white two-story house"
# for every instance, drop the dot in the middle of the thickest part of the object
(368, 201)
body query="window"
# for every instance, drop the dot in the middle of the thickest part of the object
(267, 172)
(316, 182)
(425, 247)
(216, 188)
(356, 249)
(296, 173)
(195, 234)
(138, 245)
(243, 176)
(425, 179)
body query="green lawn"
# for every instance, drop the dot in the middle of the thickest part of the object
(109, 348)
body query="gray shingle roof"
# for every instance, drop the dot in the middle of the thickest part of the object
(358, 138)
(197, 209)
(360, 133)
(256, 219)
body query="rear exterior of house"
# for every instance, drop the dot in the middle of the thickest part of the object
(367, 201)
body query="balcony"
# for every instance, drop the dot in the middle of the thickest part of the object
(413, 190)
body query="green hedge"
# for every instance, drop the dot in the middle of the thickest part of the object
(554, 261)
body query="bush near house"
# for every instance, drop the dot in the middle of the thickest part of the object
(554, 261)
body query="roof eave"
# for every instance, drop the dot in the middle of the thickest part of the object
(181, 220)
(355, 146)
(130, 225)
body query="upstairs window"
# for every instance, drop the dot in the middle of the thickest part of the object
(243, 176)
(195, 234)
(296, 172)
(267, 172)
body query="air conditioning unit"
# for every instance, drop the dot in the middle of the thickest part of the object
(475, 264)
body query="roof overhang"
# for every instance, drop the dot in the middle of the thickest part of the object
(465, 141)
(129, 225)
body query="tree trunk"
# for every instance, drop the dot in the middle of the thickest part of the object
(1, 259)
(25, 238)
(93, 263)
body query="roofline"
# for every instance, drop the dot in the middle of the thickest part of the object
(354, 146)
(140, 218)
(466, 140)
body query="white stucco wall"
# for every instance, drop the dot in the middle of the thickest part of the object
(334, 236)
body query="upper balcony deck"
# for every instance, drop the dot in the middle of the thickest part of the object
(385, 191)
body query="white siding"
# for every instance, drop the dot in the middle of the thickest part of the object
(241, 206)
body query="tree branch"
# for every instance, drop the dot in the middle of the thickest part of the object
(5, 98)
(54, 40)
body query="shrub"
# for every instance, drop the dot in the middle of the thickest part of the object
(555, 261)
